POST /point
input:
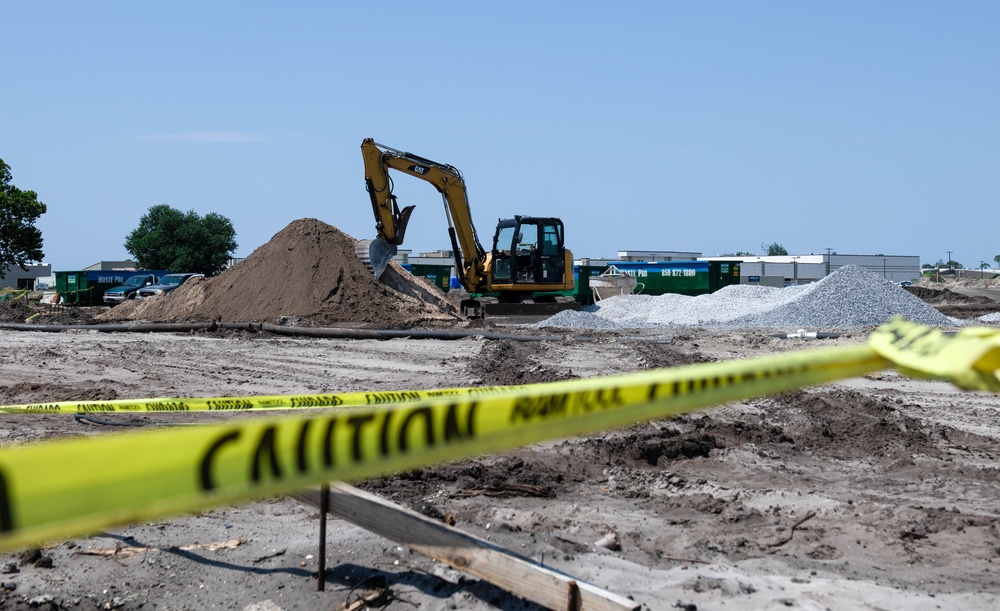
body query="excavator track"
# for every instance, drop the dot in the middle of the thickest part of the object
(528, 308)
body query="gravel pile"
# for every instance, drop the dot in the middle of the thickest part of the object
(850, 297)
(572, 319)
(994, 317)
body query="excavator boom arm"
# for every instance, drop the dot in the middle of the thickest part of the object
(390, 221)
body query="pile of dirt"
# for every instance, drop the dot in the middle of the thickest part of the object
(936, 295)
(505, 362)
(21, 311)
(15, 310)
(307, 274)
(28, 392)
(958, 305)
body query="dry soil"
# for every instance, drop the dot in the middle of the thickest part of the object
(879, 492)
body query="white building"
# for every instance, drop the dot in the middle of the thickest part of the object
(648, 256)
(801, 269)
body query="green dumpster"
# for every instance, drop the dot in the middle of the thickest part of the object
(71, 286)
(87, 287)
(440, 275)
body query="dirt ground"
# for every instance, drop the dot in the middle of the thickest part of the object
(892, 482)
(879, 492)
(962, 298)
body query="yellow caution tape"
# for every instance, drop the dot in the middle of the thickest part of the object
(59, 489)
(64, 488)
(257, 403)
(966, 358)
(969, 358)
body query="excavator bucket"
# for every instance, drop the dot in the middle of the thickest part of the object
(375, 254)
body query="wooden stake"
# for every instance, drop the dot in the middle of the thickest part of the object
(478, 557)
(324, 508)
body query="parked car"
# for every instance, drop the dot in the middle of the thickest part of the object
(166, 284)
(123, 293)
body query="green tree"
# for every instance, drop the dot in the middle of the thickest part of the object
(167, 238)
(740, 253)
(20, 240)
(942, 264)
(773, 250)
(997, 259)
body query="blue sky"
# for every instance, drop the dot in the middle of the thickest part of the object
(864, 127)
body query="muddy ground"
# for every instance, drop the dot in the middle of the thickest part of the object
(893, 483)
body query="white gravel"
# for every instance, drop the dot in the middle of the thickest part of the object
(994, 317)
(850, 297)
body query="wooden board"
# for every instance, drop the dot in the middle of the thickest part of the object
(515, 574)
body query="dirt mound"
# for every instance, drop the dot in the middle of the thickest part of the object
(14, 310)
(20, 311)
(27, 392)
(505, 362)
(306, 274)
(528, 473)
(955, 304)
(940, 295)
(655, 356)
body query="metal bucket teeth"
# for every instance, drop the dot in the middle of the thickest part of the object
(375, 254)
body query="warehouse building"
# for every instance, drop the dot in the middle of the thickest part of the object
(17, 278)
(802, 269)
(782, 270)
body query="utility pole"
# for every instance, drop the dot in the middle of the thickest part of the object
(949, 258)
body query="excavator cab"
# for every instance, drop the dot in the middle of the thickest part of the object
(529, 250)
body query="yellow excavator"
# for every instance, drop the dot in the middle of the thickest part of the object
(528, 258)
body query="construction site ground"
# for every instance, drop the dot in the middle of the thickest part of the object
(878, 492)
(901, 476)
